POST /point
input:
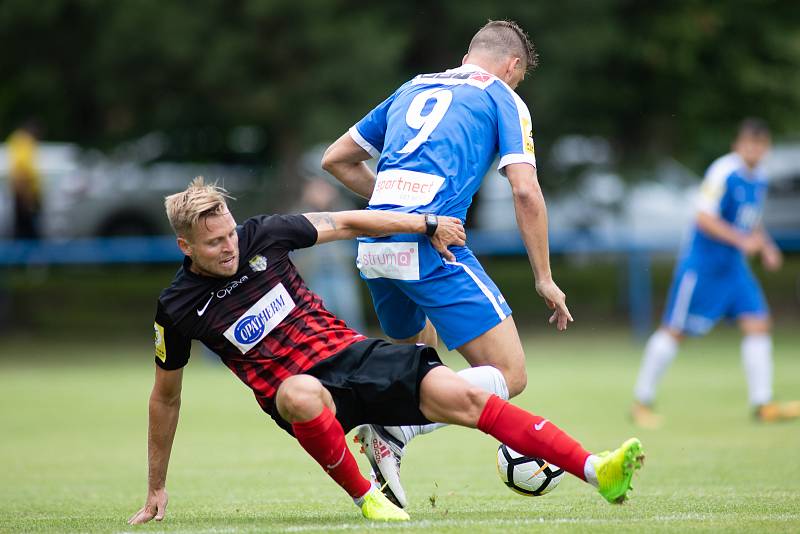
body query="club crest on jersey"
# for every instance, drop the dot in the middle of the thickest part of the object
(258, 263)
(161, 347)
(528, 131)
(260, 319)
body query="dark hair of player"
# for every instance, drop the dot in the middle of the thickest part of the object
(505, 37)
(753, 127)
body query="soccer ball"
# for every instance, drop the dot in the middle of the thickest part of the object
(527, 475)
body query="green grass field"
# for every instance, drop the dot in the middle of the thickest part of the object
(73, 426)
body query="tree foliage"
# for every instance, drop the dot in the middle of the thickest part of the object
(653, 77)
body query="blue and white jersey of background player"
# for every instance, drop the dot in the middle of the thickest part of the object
(736, 195)
(435, 138)
(712, 279)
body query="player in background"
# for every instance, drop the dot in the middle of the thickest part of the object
(25, 181)
(712, 279)
(240, 295)
(435, 138)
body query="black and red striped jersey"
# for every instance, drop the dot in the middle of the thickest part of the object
(263, 322)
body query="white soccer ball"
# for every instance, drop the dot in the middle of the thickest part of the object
(526, 475)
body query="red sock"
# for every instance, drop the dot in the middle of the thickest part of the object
(532, 435)
(323, 438)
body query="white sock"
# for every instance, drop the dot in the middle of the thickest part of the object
(757, 362)
(659, 352)
(360, 500)
(485, 377)
(588, 471)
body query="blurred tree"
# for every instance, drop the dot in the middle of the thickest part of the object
(655, 78)
(102, 72)
(677, 77)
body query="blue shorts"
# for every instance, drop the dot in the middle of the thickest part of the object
(410, 281)
(699, 297)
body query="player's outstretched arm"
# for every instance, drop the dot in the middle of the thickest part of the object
(337, 225)
(344, 159)
(165, 404)
(531, 215)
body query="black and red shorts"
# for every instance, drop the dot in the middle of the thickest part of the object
(374, 382)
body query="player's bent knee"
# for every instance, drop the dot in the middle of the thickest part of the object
(463, 409)
(516, 380)
(676, 335)
(755, 326)
(300, 398)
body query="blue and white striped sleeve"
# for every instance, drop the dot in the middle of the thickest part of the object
(714, 185)
(514, 128)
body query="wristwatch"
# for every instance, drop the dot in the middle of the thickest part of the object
(431, 223)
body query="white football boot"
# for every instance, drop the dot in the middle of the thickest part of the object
(384, 453)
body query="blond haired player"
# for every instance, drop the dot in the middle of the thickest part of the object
(240, 295)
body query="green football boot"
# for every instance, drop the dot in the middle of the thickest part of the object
(615, 470)
(378, 508)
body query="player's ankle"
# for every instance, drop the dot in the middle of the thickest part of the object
(359, 501)
(589, 472)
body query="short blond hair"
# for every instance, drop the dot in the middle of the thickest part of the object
(197, 201)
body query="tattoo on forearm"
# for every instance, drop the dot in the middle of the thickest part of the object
(320, 220)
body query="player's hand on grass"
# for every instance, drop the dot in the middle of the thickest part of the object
(450, 231)
(771, 257)
(154, 508)
(557, 301)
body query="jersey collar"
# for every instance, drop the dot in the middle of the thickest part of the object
(470, 67)
(754, 174)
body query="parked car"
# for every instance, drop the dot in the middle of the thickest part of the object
(603, 208)
(90, 195)
(656, 211)
(782, 166)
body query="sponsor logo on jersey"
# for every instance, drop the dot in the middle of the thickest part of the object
(222, 293)
(260, 319)
(747, 217)
(201, 311)
(230, 286)
(161, 346)
(398, 261)
(405, 188)
(258, 263)
(249, 329)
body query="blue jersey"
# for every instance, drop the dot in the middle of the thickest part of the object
(735, 194)
(436, 137)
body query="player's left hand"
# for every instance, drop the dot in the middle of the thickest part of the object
(154, 508)
(450, 231)
(771, 257)
(556, 300)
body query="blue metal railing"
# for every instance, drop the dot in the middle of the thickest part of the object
(163, 249)
(90, 251)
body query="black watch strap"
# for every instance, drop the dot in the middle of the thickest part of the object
(431, 223)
